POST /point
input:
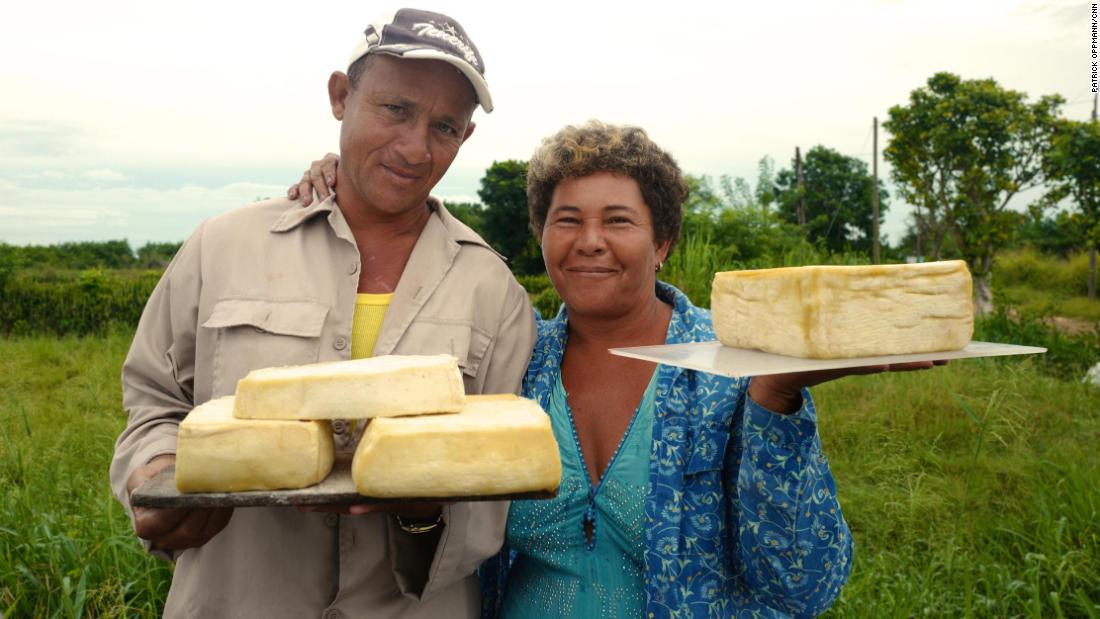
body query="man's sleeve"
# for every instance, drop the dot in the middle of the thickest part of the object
(159, 371)
(474, 531)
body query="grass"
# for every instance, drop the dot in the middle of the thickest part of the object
(66, 547)
(1043, 285)
(970, 489)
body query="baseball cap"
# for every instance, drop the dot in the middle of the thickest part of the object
(412, 33)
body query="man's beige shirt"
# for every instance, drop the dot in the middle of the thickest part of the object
(274, 284)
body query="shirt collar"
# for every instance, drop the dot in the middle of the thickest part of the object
(295, 215)
(455, 229)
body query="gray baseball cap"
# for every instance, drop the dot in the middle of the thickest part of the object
(412, 33)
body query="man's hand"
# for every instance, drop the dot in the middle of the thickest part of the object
(319, 178)
(782, 393)
(174, 529)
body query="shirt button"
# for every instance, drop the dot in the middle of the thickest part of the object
(341, 343)
(332, 613)
(331, 520)
(258, 329)
(353, 268)
(339, 426)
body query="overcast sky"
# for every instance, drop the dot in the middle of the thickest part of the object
(137, 120)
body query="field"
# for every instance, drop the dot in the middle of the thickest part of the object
(971, 489)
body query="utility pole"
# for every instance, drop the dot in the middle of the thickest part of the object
(801, 190)
(874, 195)
(920, 225)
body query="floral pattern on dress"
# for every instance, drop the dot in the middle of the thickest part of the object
(742, 518)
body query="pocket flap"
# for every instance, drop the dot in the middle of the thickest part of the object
(707, 450)
(296, 318)
(466, 343)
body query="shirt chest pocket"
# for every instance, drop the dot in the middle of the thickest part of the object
(707, 447)
(464, 342)
(261, 333)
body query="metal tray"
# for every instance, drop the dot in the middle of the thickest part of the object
(336, 489)
(714, 358)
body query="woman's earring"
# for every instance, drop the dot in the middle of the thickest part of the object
(660, 265)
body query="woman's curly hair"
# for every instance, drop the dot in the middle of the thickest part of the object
(595, 146)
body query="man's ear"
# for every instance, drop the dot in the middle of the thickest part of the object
(469, 131)
(338, 90)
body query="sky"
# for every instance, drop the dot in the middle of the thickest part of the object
(137, 120)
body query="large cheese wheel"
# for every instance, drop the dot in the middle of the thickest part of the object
(832, 312)
(358, 389)
(220, 453)
(495, 445)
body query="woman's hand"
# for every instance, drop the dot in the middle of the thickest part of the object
(782, 393)
(319, 178)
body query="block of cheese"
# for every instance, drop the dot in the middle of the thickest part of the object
(495, 445)
(374, 387)
(219, 453)
(834, 312)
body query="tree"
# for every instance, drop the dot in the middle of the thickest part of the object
(837, 191)
(960, 150)
(506, 222)
(1073, 169)
(1060, 234)
(470, 213)
(156, 255)
(736, 218)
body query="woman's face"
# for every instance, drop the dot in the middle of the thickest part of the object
(599, 246)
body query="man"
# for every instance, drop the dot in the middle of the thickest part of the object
(276, 284)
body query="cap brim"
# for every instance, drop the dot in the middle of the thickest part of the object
(481, 88)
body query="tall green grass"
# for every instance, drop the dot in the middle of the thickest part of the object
(971, 491)
(66, 546)
(1039, 285)
(692, 265)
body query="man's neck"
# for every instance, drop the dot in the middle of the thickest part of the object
(376, 225)
(385, 241)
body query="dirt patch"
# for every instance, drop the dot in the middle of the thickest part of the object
(1064, 324)
(1072, 326)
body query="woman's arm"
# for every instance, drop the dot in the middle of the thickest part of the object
(792, 542)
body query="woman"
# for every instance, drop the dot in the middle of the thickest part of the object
(683, 494)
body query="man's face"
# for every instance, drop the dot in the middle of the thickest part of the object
(402, 126)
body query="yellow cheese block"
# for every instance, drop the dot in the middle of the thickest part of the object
(495, 445)
(220, 453)
(374, 387)
(834, 312)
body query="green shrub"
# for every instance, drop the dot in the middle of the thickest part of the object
(1067, 356)
(1029, 268)
(541, 291)
(92, 301)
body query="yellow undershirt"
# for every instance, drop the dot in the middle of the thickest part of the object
(370, 309)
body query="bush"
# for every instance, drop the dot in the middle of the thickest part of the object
(93, 301)
(1067, 356)
(1034, 270)
(543, 296)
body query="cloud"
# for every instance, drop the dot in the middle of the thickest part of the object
(105, 175)
(37, 215)
(21, 139)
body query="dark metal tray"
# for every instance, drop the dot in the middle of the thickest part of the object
(336, 489)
